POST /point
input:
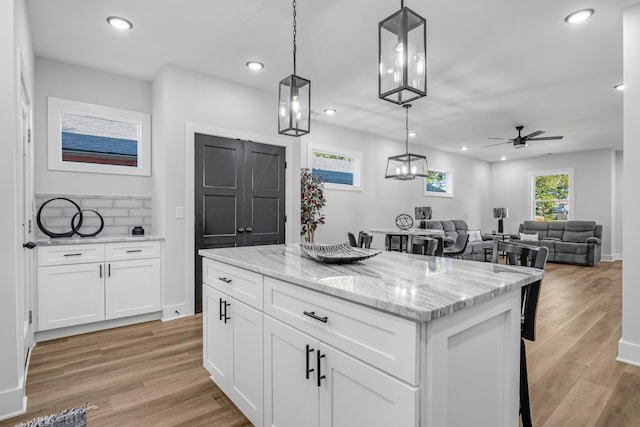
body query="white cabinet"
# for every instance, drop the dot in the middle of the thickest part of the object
(85, 283)
(70, 295)
(308, 382)
(232, 344)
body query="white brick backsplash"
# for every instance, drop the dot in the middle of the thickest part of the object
(112, 212)
(120, 213)
(96, 203)
(128, 203)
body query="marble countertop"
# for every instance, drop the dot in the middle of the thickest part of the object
(414, 286)
(98, 239)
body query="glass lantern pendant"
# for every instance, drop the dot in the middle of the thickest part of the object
(402, 51)
(407, 166)
(294, 98)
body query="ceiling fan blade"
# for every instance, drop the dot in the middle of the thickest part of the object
(545, 138)
(504, 139)
(534, 134)
(508, 141)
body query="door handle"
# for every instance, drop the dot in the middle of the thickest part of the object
(308, 371)
(101, 271)
(248, 229)
(319, 357)
(29, 245)
(226, 304)
(240, 230)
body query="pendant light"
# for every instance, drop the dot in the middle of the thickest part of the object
(402, 44)
(407, 166)
(294, 98)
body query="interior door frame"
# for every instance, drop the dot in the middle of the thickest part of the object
(189, 208)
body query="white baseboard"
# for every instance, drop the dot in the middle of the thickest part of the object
(176, 311)
(95, 326)
(628, 353)
(12, 403)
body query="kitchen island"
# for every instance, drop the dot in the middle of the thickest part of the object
(395, 340)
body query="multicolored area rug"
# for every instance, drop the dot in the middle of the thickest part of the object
(76, 417)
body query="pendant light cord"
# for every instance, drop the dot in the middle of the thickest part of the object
(294, 37)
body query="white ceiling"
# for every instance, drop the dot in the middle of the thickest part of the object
(491, 64)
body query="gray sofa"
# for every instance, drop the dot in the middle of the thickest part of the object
(570, 242)
(475, 250)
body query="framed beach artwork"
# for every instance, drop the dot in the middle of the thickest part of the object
(339, 169)
(93, 138)
(438, 183)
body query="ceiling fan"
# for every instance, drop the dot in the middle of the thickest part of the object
(522, 141)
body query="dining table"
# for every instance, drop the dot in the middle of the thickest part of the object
(411, 233)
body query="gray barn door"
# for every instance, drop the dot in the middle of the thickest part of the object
(239, 198)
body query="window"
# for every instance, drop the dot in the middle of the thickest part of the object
(438, 183)
(551, 195)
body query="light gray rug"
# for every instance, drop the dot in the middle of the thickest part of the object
(76, 417)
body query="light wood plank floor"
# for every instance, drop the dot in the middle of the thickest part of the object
(152, 375)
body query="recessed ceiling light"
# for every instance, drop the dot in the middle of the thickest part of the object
(464, 148)
(579, 16)
(255, 65)
(119, 23)
(330, 111)
(503, 158)
(413, 133)
(619, 87)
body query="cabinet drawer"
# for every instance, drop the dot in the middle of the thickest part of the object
(381, 339)
(70, 254)
(243, 285)
(125, 251)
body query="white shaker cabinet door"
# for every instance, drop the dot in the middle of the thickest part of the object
(353, 393)
(216, 359)
(132, 287)
(291, 390)
(70, 295)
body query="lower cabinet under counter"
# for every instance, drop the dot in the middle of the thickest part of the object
(84, 285)
(281, 371)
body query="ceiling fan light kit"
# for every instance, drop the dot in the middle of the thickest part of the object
(402, 41)
(294, 98)
(523, 141)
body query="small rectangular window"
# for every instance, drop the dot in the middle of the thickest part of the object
(551, 195)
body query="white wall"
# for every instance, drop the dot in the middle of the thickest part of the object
(593, 198)
(383, 199)
(616, 244)
(76, 83)
(629, 345)
(188, 100)
(14, 35)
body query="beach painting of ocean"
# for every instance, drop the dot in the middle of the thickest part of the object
(337, 169)
(90, 139)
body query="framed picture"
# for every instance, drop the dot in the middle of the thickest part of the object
(94, 138)
(438, 183)
(339, 169)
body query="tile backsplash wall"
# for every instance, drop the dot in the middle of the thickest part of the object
(120, 213)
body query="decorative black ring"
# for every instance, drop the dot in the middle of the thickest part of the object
(75, 228)
(404, 222)
(52, 234)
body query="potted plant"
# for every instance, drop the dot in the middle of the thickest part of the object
(311, 203)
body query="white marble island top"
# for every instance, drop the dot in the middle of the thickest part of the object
(414, 286)
(61, 241)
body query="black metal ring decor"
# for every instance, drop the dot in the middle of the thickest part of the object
(404, 221)
(75, 228)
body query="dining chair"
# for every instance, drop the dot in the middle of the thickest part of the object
(424, 245)
(364, 240)
(352, 239)
(458, 247)
(402, 239)
(526, 256)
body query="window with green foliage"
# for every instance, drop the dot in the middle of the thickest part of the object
(551, 196)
